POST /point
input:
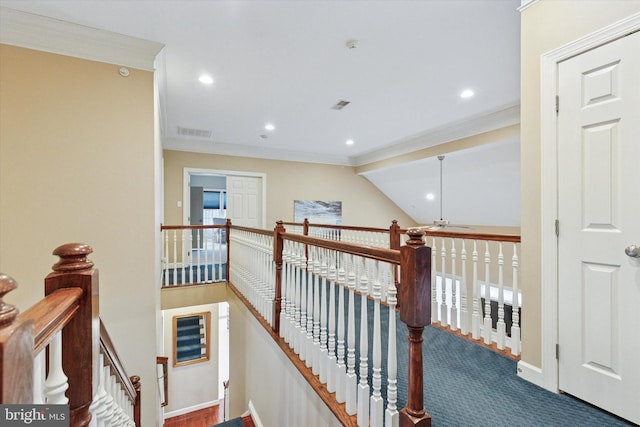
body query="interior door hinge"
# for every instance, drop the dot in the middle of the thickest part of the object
(557, 351)
(557, 104)
(557, 228)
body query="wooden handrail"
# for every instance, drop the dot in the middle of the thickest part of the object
(495, 237)
(385, 255)
(338, 227)
(262, 231)
(51, 314)
(111, 359)
(192, 227)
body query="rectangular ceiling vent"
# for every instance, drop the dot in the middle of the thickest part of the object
(340, 105)
(196, 133)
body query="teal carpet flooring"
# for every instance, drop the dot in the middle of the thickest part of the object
(468, 385)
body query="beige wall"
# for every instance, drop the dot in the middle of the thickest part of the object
(546, 25)
(260, 372)
(362, 203)
(77, 165)
(193, 386)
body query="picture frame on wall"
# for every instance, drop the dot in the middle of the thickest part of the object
(318, 212)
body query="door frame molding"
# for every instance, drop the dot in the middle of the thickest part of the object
(547, 375)
(186, 198)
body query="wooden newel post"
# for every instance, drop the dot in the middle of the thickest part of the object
(394, 235)
(137, 413)
(79, 359)
(414, 298)
(278, 246)
(16, 350)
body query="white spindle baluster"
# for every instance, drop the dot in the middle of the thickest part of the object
(500, 326)
(316, 313)
(363, 386)
(165, 277)
(184, 261)
(293, 299)
(301, 290)
(434, 283)
(515, 305)
(56, 383)
(392, 416)
(117, 420)
(331, 343)
(487, 295)
(464, 310)
(294, 296)
(38, 378)
(340, 365)
(99, 405)
(175, 257)
(377, 403)
(198, 278)
(285, 292)
(109, 404)
(475, 318)
(323, 355)
(444, 317)
(350, 402)
(309, 287)
(454, 286)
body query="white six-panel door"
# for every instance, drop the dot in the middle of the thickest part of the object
(599, 216)
(244, 200)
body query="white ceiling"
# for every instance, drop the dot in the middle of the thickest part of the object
(287, 63)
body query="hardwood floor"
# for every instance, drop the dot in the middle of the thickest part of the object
(206, 417)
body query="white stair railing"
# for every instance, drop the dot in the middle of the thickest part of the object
(193, 254)
(487, 306)
(320, 289)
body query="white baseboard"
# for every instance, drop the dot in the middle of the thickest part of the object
(254, 415)
(530, 373)
(191, 409)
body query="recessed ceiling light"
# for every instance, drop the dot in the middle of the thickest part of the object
(467, 93)
(206, 79)
(269, 126)
(430, 196)
(350, 142)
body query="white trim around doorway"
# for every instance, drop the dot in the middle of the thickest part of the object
(547, 375)
(186, 195)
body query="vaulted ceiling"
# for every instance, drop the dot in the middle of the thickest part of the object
(400, 65)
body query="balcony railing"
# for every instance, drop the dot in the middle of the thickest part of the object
(305, 280)
(475, 277)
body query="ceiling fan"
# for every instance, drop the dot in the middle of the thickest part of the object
(441, 223)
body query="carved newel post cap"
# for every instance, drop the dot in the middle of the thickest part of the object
(415, 237)
(8, 312)
(73, 257)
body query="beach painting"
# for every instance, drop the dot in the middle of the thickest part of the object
(318, 212)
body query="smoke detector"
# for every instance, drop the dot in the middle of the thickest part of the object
(352, 44)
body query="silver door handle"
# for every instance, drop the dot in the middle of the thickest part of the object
(633, 251)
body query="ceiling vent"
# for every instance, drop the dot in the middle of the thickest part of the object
(340, 105)
(196, 133)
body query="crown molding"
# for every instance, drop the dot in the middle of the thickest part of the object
(238, 150)
(65, 38)
(471, 126)
(525, 4)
